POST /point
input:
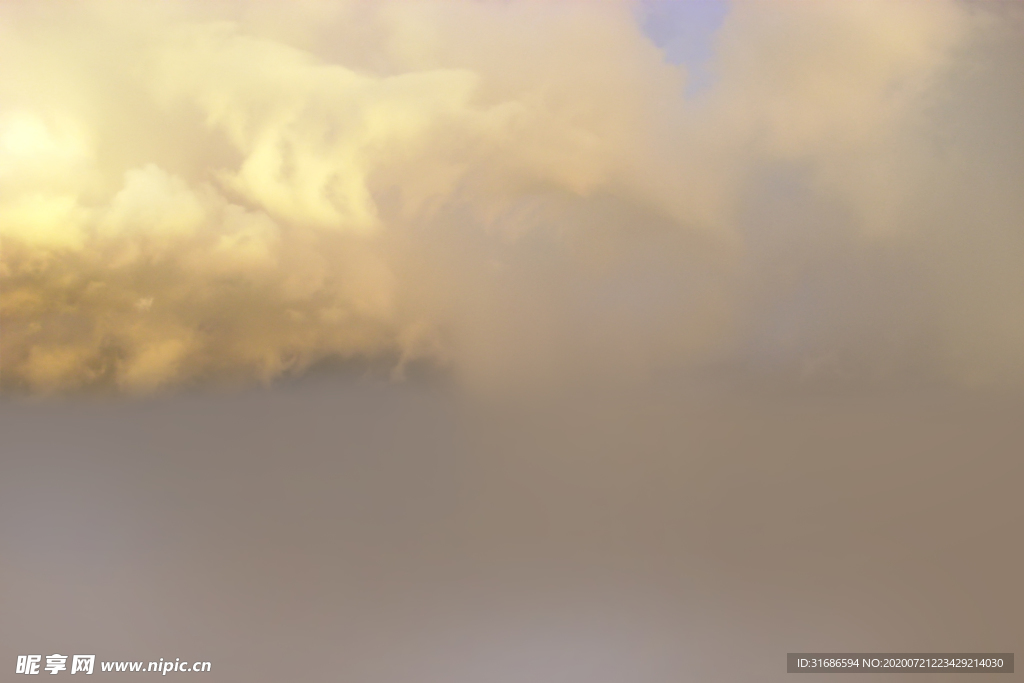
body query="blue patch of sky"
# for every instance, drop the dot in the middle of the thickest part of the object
(684, 30)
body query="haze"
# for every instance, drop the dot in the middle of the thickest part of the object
(510, 340)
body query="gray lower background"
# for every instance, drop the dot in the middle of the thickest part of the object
(349, 531)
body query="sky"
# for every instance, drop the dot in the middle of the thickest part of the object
(510, 340)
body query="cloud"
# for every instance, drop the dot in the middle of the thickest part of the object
(514, 191)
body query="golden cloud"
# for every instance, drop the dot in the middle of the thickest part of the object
(198, 192)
